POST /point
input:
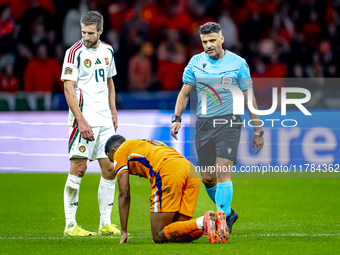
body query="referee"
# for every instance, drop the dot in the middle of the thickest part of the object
(217, 145)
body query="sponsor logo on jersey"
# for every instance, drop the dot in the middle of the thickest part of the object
(204, 65)
(97, 62)
(82, 149)
(68, 70)
(106, 60)
(87, 63)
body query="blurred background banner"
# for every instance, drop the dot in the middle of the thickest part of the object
(153, 40)
(285, 43)
(37, 142)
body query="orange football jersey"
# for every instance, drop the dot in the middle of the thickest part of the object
(143, 157)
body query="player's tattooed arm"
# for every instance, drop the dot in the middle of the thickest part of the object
(72, 101)
(124, 204)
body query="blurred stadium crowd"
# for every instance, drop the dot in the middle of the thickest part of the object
(154, 40)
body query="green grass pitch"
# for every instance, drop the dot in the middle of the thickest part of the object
(277, 216)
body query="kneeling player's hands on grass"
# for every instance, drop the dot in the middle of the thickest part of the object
(174, 129)
(258, 141)
(124, 238)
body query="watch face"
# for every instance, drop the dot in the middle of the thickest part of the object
(261, 133)
(175, 118)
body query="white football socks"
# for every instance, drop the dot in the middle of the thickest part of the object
(106, 195)
(199, 222)
(71, 196)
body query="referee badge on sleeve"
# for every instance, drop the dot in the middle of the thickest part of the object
(227, 80)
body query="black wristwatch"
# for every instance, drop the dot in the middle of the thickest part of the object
(176, 118)
(260, 134)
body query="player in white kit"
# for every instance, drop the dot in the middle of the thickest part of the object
(87, 74)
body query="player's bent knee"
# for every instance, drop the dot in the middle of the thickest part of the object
(78, 167)
(159, 238)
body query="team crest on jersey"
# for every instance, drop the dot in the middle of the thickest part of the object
(82, 149)
(87, 63)
(68, 70)
(106, 60)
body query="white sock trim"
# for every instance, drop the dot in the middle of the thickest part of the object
(74, 178)
(71, 197)
(107, 183)
(199, 222)
(106, 193)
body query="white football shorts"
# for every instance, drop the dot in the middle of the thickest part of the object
(78, 147)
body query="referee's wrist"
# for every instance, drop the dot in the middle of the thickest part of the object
(176, 118)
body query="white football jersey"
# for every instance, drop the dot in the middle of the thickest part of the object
(90, 68)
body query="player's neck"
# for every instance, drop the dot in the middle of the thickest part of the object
(219, 56)
(96, 45)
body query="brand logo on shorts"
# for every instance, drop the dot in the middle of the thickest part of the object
(87, 63)
(82, 149)
(229, 150)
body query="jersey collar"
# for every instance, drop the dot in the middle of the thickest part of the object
(218, 60)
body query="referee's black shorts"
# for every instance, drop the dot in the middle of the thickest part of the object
(220, 141)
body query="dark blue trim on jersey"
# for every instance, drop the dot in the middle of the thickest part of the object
(159, 189)
(201, 69)
(152, 173)
(229, 71)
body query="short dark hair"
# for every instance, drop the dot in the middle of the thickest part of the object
(113, 142)
(92, 18)
(210, 27)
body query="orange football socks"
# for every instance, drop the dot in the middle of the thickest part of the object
(180, 228)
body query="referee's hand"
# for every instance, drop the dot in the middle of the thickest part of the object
(174, 129)
(258, 141)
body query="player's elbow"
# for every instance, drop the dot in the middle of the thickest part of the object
(124, 195)
(69, 87)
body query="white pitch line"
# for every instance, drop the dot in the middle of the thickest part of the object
(116, 237)
(287, 235)
(32, 138)
(33, 154)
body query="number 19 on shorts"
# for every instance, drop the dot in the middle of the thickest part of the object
(101, 74)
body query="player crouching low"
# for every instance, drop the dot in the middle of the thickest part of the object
(174, 191)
